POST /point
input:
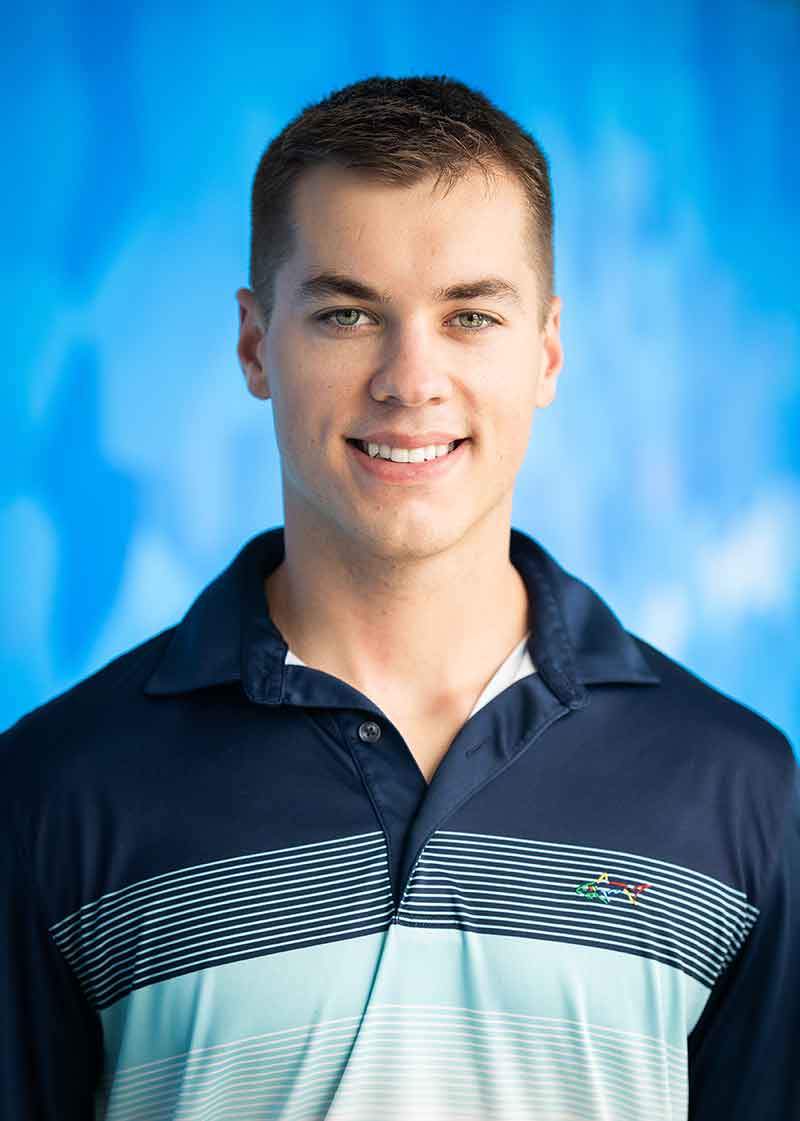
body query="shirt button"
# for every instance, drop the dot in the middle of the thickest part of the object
(369, 731)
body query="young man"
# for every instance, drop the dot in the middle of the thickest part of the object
(399, 821)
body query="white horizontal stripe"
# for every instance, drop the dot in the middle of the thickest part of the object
(387, 1037)
(158, 965)
(385, 1041)
(95, 948)
(137, 974)
(724, 904)
(528, 1019)
(233, 860)
(567, 923)
(616, 943)
(267, 1055)
(198, 1054)
(613, 1087)
(262, 872)
(611, 920)
(582, 870)
(680, 870)
(447, 1014)
(201, 933)
(653, 909)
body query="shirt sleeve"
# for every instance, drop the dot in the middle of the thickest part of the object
(744, 1052)
(50, 1038)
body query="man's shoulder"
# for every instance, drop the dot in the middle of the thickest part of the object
(691, 710)
(87, 713)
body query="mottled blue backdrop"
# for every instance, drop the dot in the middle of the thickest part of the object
(134, 462)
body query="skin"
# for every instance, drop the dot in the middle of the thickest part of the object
(405, 592)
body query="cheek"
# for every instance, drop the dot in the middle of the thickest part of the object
(510, 457)
(309, 416)
(513, 434)
(292, 381)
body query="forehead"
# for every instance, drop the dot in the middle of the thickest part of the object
(349, 222)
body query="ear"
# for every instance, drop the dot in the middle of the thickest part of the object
(552, 356)
(249, 348)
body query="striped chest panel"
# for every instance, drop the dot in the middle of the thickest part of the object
(517, 977)
(209, 914)
(589, 896)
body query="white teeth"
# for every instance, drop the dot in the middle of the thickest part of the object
(407, 455)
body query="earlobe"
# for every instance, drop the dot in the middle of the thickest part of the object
(546, 390)
(256, 378)
(256, 381)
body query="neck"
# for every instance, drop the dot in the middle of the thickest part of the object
(422, 629)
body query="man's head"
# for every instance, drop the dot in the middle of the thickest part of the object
(404, 342)
(397, 131)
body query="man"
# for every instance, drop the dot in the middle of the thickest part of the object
(400, 821)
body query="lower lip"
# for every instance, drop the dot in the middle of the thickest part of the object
(427, 471)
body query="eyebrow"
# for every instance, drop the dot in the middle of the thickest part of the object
(339, 284)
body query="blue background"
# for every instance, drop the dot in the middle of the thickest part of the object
(135, 463)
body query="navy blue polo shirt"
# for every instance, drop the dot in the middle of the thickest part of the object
(229, 891)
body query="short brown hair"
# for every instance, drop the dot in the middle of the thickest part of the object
(397, 130)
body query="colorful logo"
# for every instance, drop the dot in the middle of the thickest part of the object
(603, 888)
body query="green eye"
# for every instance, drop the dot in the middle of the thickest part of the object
(327, 317)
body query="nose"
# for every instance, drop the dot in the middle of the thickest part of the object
(415, 369)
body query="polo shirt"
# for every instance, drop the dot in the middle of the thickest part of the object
(230, 893)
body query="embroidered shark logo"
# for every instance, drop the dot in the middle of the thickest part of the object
(603, 888)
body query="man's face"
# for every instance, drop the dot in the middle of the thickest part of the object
(474, 367)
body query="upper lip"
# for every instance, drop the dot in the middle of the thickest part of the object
(403, 440)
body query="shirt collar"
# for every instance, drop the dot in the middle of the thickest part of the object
(227, 634)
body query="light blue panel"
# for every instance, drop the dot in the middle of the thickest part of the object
(402, 1013)
(408, 966)
(274, 993)
(133, 463)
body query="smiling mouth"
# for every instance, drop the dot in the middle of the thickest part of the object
(362, 446)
